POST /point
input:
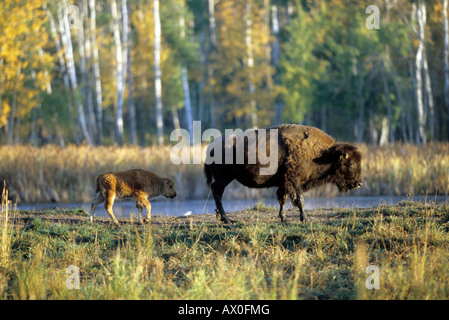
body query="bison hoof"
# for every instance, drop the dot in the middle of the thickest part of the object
(227, 220)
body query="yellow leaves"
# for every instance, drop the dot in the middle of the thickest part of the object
(22, 40)
(6, 109)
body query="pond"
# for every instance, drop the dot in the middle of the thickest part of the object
(167, 207)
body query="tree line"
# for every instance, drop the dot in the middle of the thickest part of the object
(131, 71)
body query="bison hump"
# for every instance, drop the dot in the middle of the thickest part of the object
(301, 145)
(305, 137)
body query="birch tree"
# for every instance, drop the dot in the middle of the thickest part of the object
(157, 72)
(250, 63)
(185, 80)
(446, 54)
(210, 64)
(121, 55)
(418, 74)
(131, 106)
(96, 72)
(70, 66)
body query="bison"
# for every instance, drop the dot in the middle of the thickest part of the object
(136, 183)
(306, 158)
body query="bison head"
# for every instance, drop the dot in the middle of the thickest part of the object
(345, 161)
(348, 169)
(168, 188)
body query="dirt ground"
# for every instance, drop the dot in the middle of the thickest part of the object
(245, 216)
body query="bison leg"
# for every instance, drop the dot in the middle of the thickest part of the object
(97, 200)
(108, 206)
(299, 202)
(282, 197)
(217, 190)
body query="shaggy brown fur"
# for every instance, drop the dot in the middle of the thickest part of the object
(307, 157)
(137, 183)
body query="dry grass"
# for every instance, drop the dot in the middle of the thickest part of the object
(67, 174)
(322, 259)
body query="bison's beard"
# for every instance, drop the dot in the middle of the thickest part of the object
(349, 187)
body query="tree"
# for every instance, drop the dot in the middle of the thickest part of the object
(446, 55)
(70, 67)
(121, 64)
(157, 72)
(24, 64)
(96, 71)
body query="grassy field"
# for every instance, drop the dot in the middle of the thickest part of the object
(255, 258)
(67, 174)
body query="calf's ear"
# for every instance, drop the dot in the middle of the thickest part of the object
(166, 181)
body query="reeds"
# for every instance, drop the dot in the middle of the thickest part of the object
(5, 229)
(52, 173)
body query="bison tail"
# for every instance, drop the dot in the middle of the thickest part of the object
(208, 174)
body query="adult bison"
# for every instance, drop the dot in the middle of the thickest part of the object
(306, 157)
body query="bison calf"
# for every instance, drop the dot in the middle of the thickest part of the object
(137, 183)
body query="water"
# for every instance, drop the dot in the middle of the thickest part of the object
(167, 207)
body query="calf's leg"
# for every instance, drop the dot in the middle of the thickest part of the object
(97, 200)
(140, 206)
(108, 206)
(142, 202)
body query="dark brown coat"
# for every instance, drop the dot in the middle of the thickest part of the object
(136, 183)
(307, 157)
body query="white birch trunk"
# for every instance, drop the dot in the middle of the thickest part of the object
(446, 54)
(419, 66)
(120, 74)
(210, 65)
(131, 106)
(96, 72)
(88, 58)
(250, 64)
(55, 35)
(429, 96)
(185, 83)
(67, 44)
(84, 53)
(157, 72)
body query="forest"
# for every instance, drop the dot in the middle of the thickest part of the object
(130, 71)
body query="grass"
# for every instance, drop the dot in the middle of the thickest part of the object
(255, 258)
(52, 173)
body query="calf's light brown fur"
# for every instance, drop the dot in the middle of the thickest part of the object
(136, 183)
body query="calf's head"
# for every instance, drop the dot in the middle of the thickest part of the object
(168, 188)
